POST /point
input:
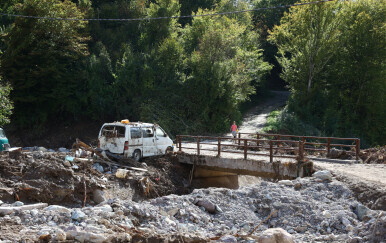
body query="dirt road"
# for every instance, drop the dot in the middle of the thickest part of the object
(256, 118)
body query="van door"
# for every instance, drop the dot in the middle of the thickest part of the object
(149, 143)
(113, 138)
(135, 141)
(163, 141)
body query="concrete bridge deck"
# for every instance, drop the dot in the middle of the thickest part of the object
(232, 160)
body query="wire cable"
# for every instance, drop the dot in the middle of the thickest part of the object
(168, 17)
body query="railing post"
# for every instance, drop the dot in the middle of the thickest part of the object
(270, 152)
(278, 143)
(301, 151)
(239, 138)
(257, 142)
(303, 142)
(328, 146)
(245, 148)
(198, 145)
(357, 148)
(219, 147)
(179, 143)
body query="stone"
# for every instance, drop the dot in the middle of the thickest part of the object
(60, 235)
(98, 167)
(275, 235)
(355, 240)
(99, 196)
(62, 150)
(83, 236)
(1, 202)
(323, 175)
(67, 163)
(17, 204)
(34, 212)
(361, 211)
(57, 208)
(104, 208)
(228, 238)
(298, 186)
(346, 222)
(122, 173)
(326, 214)
(286, 182)
(77, 215)
(209, 206)
(41, 149)
(173, 211)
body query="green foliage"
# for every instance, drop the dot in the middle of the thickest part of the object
(283, 121)
(332, 56)
(42, 61)
(6, 105)
(100, 77)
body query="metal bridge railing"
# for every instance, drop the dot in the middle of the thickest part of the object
(296, 145)
(244, 146)
(308, 145)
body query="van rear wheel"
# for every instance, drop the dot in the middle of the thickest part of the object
(137, 155)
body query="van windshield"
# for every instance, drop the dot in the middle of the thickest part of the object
(2, 134)
(111, 131)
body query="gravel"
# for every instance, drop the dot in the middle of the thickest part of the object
(310, 209)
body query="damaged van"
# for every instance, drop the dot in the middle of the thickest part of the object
(134, 139)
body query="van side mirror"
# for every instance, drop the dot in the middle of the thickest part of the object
(165, 135)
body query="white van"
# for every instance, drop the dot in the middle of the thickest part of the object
(134, 139)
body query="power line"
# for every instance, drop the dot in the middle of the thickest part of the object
(169, 17)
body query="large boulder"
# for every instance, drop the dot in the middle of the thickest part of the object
(276, 235)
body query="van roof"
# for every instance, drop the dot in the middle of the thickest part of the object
(134, 124)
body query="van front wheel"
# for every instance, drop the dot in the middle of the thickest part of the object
(169, 149)
(137, 155)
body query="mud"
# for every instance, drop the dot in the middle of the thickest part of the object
(42, 177)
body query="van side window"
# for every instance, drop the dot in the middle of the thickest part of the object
(135, 132)
(159, 132)
(113, 131)
(147, 132)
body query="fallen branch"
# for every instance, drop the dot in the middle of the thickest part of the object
(85, 192)
(262, 222)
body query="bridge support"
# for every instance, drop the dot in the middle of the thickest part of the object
(276, 169)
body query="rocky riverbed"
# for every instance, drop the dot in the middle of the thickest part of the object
(310, 209)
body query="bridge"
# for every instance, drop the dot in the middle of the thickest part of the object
(265, 155)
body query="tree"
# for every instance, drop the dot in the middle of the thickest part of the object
(42, 60)
(332, 56)
(307, 38)
(222, 61)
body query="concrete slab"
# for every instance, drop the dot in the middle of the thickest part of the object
(262, 168)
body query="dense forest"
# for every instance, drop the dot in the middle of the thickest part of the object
(192, 75)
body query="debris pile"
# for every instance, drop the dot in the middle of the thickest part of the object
(39, 175)
(374, 155)
(308, 209)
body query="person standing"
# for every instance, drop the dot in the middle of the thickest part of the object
(234, 129)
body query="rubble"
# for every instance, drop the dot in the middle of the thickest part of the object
(43, 199)
(318, 211)
(373, 155)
